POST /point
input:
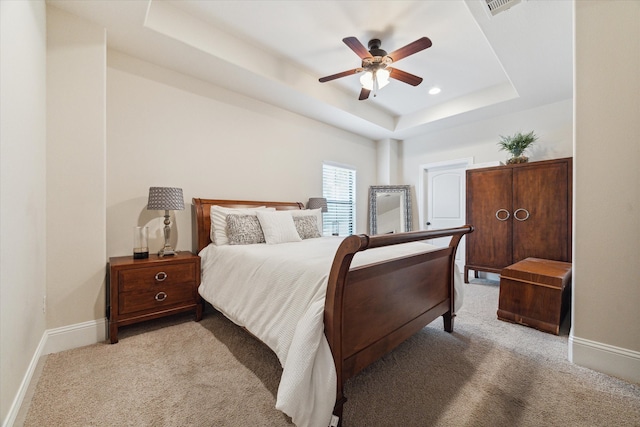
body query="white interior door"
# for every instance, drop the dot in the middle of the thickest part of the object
(445, 202)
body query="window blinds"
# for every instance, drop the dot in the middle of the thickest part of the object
(339, 188)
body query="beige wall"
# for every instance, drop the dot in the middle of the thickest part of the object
(168, 129)
(607, 186)
(22, 193)
(76, 248)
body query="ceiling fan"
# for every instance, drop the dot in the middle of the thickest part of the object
(376, 64)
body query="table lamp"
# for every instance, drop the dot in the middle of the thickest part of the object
(166, 198)
(317, 202)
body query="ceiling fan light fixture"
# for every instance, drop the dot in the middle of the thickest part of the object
(377, 79)
(382, 76)
(434, 90)
(366, 80)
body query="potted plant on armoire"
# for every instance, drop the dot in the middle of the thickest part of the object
(516, 145)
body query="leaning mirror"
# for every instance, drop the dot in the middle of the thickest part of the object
(389, 209)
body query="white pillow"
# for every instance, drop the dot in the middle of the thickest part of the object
(314, 212)
(278, 227)
(218, 216)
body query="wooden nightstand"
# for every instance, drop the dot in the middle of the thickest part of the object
(145, 289)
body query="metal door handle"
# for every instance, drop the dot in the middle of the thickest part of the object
(498, 214)
(515, 214)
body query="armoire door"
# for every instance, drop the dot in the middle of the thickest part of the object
(541, 212)
(489, 201)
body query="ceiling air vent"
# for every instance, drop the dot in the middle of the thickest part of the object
(497, 6)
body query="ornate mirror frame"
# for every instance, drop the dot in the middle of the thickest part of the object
(405, 193)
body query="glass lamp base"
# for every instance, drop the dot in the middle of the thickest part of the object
(166, 251)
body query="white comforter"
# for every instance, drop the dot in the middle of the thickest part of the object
(277, 292)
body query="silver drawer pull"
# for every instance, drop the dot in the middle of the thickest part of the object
(515, 214)
(161, 296)
(161, 276)
(498, 214)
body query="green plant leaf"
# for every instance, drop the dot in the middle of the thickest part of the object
(516, 144)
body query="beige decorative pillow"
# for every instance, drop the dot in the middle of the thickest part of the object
(278, 227)
(244, 230)
(310, 212)
(306, 226)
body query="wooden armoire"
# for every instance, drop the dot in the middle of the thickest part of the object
(518, 211)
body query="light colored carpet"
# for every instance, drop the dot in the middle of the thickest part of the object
(176, 372)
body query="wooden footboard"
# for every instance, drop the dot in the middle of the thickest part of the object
(370, 310)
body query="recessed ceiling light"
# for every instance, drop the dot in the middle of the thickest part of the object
(434, 90)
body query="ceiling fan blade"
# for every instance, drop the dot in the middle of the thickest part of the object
(364, 94)
(405, 77)
(338, 75)
(410, 49)
(355, 45)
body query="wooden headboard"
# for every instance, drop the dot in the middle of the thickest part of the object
(202, 208)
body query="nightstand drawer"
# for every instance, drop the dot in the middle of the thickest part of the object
(156, 276)
(163, 296)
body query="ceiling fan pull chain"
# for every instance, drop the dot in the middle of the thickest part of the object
(375, 84)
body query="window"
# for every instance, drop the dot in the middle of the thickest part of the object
(339, 188)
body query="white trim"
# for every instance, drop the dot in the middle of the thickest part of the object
(78, 335)
(448, 163)
(24, 385)
(616, 361)
(54, 341)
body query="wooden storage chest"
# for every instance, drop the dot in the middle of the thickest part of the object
(535, 292)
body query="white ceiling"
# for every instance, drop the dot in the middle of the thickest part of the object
(275, 51)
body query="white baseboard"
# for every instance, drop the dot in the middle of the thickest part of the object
(74, 336)
(24, 385)
(54, 341)
(611, 360)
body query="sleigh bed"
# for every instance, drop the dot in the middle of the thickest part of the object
(366, 303)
